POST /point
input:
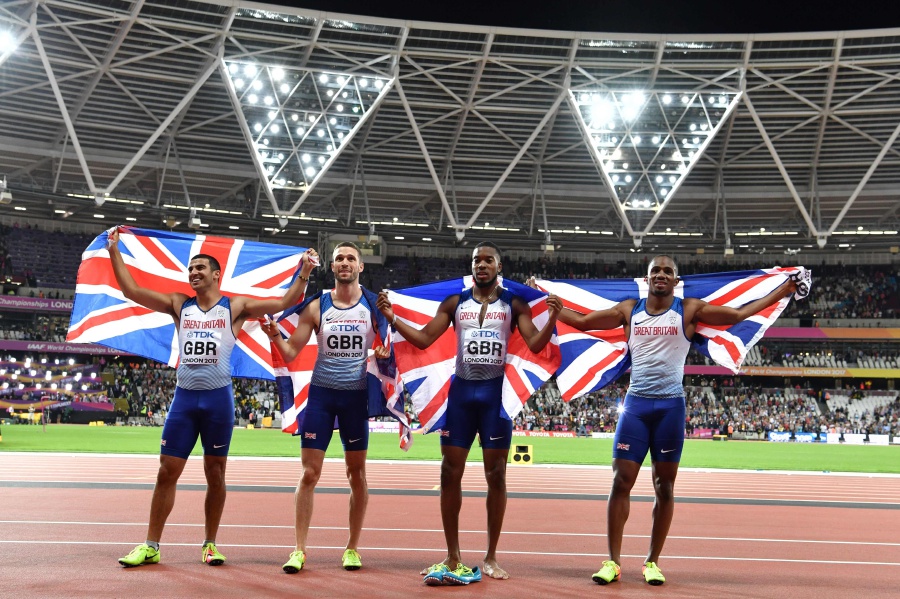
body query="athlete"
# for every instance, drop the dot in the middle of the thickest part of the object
(343, 320)
(484, 317)
(203, 405)
(659, 331)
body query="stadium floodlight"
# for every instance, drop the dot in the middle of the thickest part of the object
(645, 176)
(334, 107)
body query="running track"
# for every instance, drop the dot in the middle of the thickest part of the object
(67, 518)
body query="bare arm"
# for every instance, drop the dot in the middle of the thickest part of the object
(424, 337)
(534, 338)
(598, 319)
(246, 307)
(167, 303)
(723, 315)
(289, 348)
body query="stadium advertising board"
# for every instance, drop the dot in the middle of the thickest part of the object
(811, 372)
(35, 304)
(785, 437)
(858, 439)
(52, 347)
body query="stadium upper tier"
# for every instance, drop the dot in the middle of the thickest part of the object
(855, 293)
(236, 116)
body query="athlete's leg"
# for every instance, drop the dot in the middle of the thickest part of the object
(214, 468)
(496, 436)
(664, 474)
(667, 436)
(179, 435)
(312, 460)
(495, 473)
(453, 465)
(216, 428)
(359, 494)
(625, 472)
(170, 468)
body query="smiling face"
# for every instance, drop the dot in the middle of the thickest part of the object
(485, 266)
(662, 276)
(201, 274)
(346, 265)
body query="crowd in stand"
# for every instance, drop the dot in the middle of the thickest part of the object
(841, 291)
(149, 387)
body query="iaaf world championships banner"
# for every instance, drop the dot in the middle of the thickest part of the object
(52, 347)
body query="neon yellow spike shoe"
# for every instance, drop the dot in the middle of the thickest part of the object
(652, 574)
(463, 575)
(212, 556)
(295, 563)
(351, 560)
(610, 572)
(435, 575)
(140, 555)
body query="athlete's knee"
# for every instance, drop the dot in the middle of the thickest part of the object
(215, 472)
(451, 473)
(170, 469)
(495, 475)
(664, 488)
(356, 474)
(311, 474)
(623, 482)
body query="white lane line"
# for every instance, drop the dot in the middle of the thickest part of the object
(438, 530)
(541, 555)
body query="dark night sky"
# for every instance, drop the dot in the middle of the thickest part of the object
(634, 16)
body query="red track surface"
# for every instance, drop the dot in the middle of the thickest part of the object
(60, 540)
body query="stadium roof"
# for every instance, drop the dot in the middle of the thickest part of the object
(254, 118)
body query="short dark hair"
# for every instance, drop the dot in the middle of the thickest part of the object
(213, 263)
(665, 256)
(348, 244)
(492, 245)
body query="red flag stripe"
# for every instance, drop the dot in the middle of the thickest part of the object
(740, 290)
(592, 371)
(125, 312)
(436, 402)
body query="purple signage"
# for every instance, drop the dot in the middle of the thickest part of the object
(40, 304)
(52, 347)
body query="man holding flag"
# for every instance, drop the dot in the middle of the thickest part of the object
(208, 325)
(484, 317)
(659, 330)
(346, 326)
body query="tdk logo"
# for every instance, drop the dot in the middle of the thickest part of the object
(201, 335)
(346, 328)
(485, 334)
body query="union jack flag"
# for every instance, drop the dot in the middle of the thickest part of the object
(159, 260)
(426, 375)
(593, 359)
(292, 379)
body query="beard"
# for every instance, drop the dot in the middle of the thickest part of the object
(660, 292)
(485, 285)
(354, 276)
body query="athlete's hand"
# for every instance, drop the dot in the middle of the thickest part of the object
(308, 261)
(269, 327)
(112, 237)
(384, 304)
(382, 352)
(531, 282)
(554, 305)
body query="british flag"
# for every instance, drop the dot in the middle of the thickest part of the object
(593, 359)
(159, 260)
(292, 379)
(426, 375)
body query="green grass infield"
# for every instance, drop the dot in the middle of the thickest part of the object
(744, 455)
